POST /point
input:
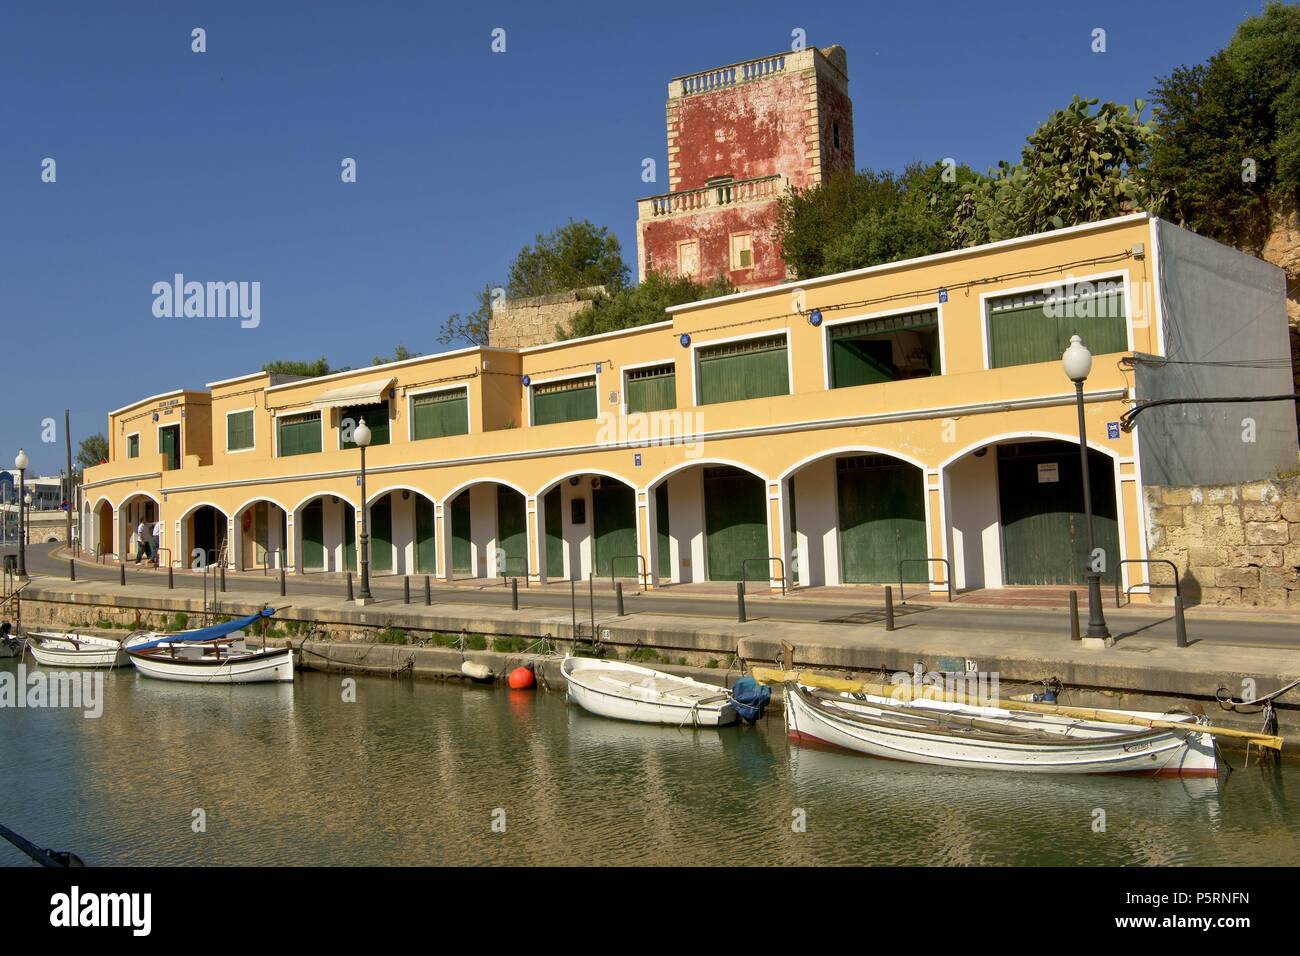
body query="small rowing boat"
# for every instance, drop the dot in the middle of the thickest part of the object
(75, 650)
(212, 655)
(631, 692)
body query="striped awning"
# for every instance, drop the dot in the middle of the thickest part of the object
(370, 393)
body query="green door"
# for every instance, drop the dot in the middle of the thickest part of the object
(350, 538)
(735, 523)
(614, 524)
(512, 532)
(169, 444)
(1044, 536)
(313, 536)
(426, 552)
(881, 519)
(553, 518)
(381, 535)
(662, 542)
(461, 553)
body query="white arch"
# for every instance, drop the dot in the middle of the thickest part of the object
(479, 481)
(102, 499)
(703, 462)
(252, 501)
(202, 504)
(320, 494)
(578, 473)
(138, 494)
(1019, 435)
(853, 450)
(391, 488)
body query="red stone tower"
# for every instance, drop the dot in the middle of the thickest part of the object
(739, 135)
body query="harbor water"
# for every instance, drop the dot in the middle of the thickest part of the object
(415, 772)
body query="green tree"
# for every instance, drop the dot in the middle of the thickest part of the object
(575, 256)
(471, 328)
(400, 354)
(1227, 150)
(641, 304)
(1079, 166)
(859, 219)
(297, 367)
(91, 451)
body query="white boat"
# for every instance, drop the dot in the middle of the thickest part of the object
(993, 738)
(630, 692)
(211, 655)
(75, 650)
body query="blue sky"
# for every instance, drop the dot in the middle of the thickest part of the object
(225, 165)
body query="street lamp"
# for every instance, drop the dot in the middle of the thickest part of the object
(1077, 361)
(21, 463)
(361, 438)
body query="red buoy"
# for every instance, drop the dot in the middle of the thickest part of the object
(521, 678)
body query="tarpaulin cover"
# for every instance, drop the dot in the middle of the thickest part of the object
(208, 633)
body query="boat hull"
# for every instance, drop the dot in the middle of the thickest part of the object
(256, 668)
(1084, 748)
(53, 650)
(590, 689)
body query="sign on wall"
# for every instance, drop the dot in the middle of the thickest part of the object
(1049, 472)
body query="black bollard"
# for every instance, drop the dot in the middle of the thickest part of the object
(171, 583)
(350, 586)
(740, 601)
(1074, 616)
(121, 574)
(281, 582)
(72, 570)
(428, 592)
(406, 589)
(618, 594)
(223, 577)
(1180, 623)
(514, 594)
(889, 608)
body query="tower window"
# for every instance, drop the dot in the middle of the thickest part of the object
(742, 251)
(835, 134)
(688, 257)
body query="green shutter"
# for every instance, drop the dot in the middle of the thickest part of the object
(614, 525)
(881, 506)
(662, 532)
(652, 389)
(169, 439)
(512, 531)
(863, 353)
(313, 536)
(461, 555)
(133, 446)
(376, 417)
(554, 534)
(735, 523)
(440, 414)
(381, 534)
(299, 434)
(1036, 327)
(570, 401)
(753, 369)
(239, 430)
(426, 552)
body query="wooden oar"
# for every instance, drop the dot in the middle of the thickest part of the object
(904, 692)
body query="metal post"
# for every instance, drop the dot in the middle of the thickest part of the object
(406, 589)
(1074, 616)
(591, 596)
(171, 583)
(22, 525)
(365, 534)
(1180, 623)
(349, 585)
(121, 573)
(281, 581)
(428, 593)
(67, 492)
(573, 604)
(72, 570)
(222, 569)
(618, 594)
(1096, 616)
(740, 601)
(514, 594)
(889, 608)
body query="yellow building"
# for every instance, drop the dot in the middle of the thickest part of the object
(911, 412)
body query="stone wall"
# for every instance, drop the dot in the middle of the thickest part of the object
(1233, 545)
(1283, 250)
(519, 323)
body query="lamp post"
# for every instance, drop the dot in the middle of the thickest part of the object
(361, 438)
(1077, 361)
(21, 463)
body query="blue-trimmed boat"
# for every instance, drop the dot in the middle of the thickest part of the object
(219, 654)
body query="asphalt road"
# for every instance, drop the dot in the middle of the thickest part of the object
(1150, 622)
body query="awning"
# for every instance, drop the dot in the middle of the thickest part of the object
(371, 393)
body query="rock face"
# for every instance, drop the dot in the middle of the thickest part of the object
(1232, 544)
(519, 323)
(1283, 250)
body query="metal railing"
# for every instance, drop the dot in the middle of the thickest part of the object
(642, 572)
(504, 571)
(1177, 585)
(744, 578)
(947, 566)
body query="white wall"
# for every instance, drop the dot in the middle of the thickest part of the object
(578, 550)
(975, 533)
(483, 529)
(817, 518)
(686, 526)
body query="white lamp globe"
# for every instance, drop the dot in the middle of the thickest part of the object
(361, 434)
(21, 461)
(1077, 360)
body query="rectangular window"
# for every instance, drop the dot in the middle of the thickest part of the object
(239, 430)
(132, 446)
(885, 350)
(573, 400)
(651, 389)
(756, 368)
(440, 414)
(1036, 326)
(299, 434)
(688, 257)
(376, 417)
(742, 251)
(169, 445)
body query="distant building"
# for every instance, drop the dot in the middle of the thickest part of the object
(738, 136)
